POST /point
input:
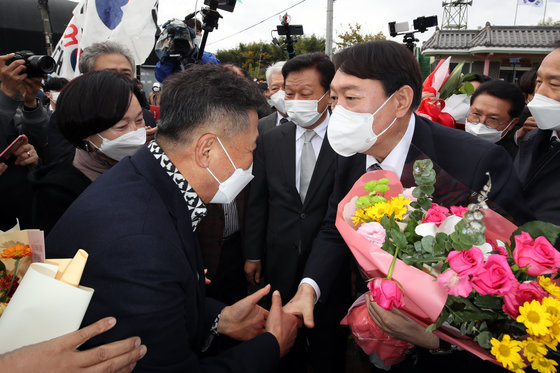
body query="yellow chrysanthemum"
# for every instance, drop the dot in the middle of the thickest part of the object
(533, 348)
(506, 352)
(548, 340)
(552, 307)
(534, 317)
(554, 330)
(544, 365)
(547, 284)
(377, 211)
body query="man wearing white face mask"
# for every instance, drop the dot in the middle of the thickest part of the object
(375, 90)
(495, 109)
(538, 159)
(52, 88)
(139, 220)
(275, 95)
(294, 169)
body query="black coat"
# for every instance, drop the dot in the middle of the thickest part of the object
(538, 166)
(146, 268)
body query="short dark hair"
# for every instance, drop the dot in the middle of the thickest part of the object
(387, 61)
(481, 78)
(192, 22)
(54, 84)
(527, 82)
(92, 103)
(505, 91)
(318, 61)
(206, 95)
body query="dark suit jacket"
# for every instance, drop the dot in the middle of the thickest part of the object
(463, 160)
(279, 227)
(538, 166)
(267, 123)
(146, 268)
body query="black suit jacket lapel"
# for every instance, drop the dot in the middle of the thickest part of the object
(288, 156)
(322, 166)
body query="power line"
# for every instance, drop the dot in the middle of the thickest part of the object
(256, 24)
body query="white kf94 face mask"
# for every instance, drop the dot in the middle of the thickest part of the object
(546, 112)
(486, 133)
(350, 132)
(125, 145)
(233, 185)
(304, 112)
(277, 100)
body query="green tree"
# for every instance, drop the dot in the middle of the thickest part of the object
(549, 22)
(354, 35)
(247, 56)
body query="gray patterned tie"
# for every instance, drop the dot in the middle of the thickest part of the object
(307, 163)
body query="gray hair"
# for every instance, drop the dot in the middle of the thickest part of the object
(90, 54)
(272, 69)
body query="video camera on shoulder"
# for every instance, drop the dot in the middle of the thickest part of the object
(35, 65)
(176, 41)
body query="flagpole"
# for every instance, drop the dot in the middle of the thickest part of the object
(544, 14)
(516, 7)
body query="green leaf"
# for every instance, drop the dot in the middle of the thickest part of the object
(428, 244)
(417, 192)
(452, 83)
(427, 189)
(398, 238)
(483, 339)
(489, 302)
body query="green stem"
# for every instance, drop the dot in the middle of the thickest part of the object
(13, 276)
(390, 273)
(432, 259)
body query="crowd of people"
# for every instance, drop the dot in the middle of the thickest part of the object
(212, 233)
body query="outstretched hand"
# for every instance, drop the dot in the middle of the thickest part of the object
(61, 354)
(399, 326)
(282, 325)
(245, 319)
(302, 304)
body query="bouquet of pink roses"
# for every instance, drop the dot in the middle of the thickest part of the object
(403, 241)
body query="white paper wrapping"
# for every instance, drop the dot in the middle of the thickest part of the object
(42, 308)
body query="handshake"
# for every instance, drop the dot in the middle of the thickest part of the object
(245, 320)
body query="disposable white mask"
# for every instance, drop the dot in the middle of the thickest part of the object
(350, 132)
(233, 185)
(304, 112)
(155, 89)
(546, 112)
(485, 132)
(54, 96)
(277, 100)
(122, 146)
(198, 40)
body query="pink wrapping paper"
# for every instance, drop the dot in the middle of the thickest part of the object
(423, 297)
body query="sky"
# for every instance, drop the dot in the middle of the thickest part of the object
(373, 15)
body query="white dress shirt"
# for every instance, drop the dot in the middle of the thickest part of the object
(316, 141)
(393, 162)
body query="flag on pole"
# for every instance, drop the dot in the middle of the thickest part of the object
(535, 3)
(132, 23)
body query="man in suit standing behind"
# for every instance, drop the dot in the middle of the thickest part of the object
(375, 90)
(138, 223)
(538, 159)
(275, 96)
(293, 169)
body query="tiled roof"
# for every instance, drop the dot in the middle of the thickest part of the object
(494, 37)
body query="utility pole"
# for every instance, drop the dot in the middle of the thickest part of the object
(329, 37)
(47, 28)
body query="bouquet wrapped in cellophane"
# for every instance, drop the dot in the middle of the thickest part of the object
(466, 273)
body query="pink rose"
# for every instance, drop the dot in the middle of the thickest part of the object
(455, 285)
(458, 210)
(496, 247)
(374, 232)
(495, 278)
(521, 293)
(386, 293)
(436, 214)
(466, 262)
(539, 255)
